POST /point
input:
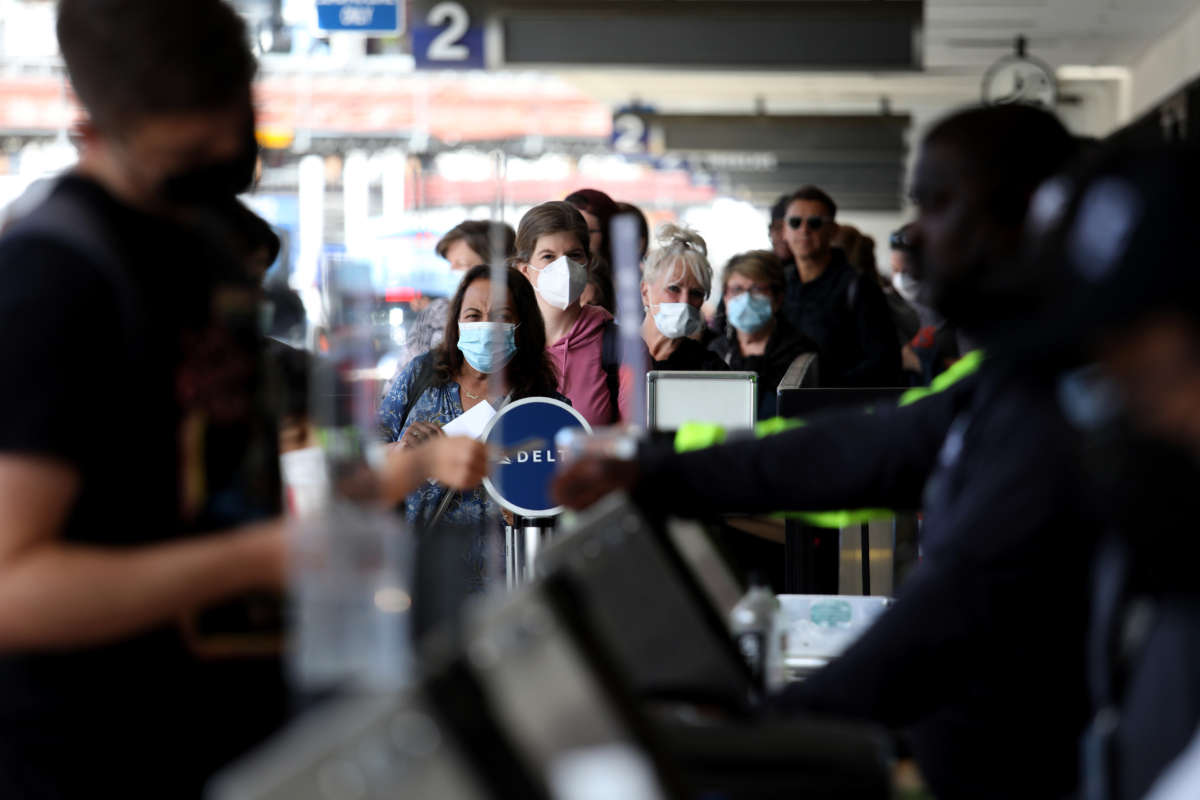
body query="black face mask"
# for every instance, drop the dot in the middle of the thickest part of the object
(214, 182)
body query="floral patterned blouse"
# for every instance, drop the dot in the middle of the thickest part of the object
(437, 404)
(471, 509)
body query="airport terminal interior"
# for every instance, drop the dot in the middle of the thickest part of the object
(599, 400)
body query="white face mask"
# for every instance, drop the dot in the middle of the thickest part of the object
(561, 282)
(906, 286)
(677, 320)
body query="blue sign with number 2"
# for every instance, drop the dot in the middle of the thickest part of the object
(448, 40)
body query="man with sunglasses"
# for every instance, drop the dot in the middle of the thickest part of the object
(844, 312)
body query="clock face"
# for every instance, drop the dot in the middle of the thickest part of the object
(1019, 80)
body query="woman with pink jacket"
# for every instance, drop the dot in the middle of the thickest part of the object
(553, 253)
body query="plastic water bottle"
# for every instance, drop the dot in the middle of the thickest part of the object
(753, 622)
(351, 594)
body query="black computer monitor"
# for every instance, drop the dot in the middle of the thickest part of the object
(646, 602)
(635, 591)
(525, 689)
(359, 745)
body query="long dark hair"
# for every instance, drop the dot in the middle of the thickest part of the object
(601, 206)
(531, 373)
(481, 236)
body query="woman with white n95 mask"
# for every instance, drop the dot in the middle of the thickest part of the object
(676, 280)
(553, 253)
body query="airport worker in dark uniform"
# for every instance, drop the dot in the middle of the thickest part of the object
(980, 660)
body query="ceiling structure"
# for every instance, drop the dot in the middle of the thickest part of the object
(961, 38)
(962, 34)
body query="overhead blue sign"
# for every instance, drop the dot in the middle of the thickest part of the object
(448, 39)
(466, 52)
(367, 16)
(524, 432)
(630, 131)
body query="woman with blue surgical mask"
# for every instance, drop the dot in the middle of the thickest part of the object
(675, 282)
(482, 338)
(757, 337)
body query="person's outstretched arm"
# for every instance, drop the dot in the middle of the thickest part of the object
(61, 595)
(844, 460)
(454, 461)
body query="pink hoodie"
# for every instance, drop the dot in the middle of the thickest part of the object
(578, 357)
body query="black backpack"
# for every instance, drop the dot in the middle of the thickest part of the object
(610, 361)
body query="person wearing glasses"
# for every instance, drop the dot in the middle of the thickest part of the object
(844, 312)
(757, 338)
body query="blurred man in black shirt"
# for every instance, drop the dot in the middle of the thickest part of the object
(117, 364)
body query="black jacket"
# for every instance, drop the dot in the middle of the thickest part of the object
(848, 317)
(689, 356)
(784, 344)
(982, 656)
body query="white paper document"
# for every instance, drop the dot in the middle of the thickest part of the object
(472, 422)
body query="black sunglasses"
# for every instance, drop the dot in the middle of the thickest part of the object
(814, 223)
(899, 240)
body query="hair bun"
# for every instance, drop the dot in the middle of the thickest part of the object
(669, 235)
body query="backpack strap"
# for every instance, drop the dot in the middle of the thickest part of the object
(852, 292)
(421, 381)
(610, 361)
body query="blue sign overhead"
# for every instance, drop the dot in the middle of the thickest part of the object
(448, 39)
(524, 433)
(466, 52)
(630, 131)
(367, 16)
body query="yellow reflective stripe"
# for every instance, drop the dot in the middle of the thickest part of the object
(774, 425)
(698, 436)
(969, 364)
(837, 519)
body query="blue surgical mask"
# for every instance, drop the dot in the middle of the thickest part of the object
(487, 346)
(748, 313)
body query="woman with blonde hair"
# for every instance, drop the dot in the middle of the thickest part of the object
(676, 280)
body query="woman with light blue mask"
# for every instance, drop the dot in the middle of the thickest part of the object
(482, 339)
(758, 338)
